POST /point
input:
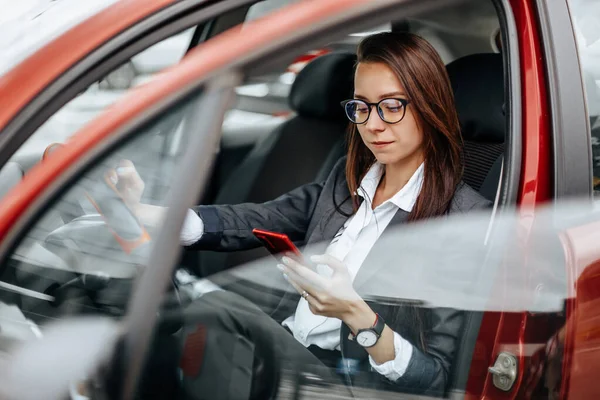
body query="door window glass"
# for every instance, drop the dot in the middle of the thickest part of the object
(100, 95)
(83, 253)
(28, 26)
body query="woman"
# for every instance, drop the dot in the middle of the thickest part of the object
(403, 164)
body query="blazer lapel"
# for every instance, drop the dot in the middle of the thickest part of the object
(369, 267)
(331, 221)
(330, 225)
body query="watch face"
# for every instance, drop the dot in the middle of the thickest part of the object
(366, 338)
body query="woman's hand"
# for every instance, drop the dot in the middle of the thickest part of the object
(131, 187)
(129, 183)
(335, 297)
(329, 296)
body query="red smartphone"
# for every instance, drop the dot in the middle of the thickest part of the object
(278, 244)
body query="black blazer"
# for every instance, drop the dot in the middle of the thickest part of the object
(311, 215)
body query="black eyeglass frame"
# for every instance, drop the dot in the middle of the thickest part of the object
(404, 102)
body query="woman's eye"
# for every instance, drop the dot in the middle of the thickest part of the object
(362, 110)
(393, 109)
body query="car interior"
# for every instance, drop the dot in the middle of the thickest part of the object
(303, 147)
(286, 128)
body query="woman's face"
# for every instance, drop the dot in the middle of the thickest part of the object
(392, 144)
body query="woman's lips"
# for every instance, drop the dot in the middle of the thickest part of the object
(381, 144)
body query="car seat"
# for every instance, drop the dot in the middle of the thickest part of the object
(478, 84)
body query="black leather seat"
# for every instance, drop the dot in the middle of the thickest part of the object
(478, 85)
(301, 150)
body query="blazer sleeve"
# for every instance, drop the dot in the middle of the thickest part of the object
(229, 227)
(428, 371)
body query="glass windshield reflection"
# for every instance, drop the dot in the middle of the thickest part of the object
(524, 280)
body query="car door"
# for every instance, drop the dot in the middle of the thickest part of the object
(219, 59)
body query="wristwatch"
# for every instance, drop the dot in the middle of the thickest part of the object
(368, 337)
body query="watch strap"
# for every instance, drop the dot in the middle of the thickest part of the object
(379, 325)
(377, 328)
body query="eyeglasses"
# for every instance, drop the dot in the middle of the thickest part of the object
(390, 110)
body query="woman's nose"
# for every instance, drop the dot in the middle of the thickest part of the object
(375, 123)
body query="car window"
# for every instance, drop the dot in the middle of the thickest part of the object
(100, 95)
(27, 26)
(264, 7)
(585, 15)
(84, 252)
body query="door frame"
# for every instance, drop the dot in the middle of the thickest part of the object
(570, 128)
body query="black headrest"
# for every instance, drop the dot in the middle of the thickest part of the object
(322, 84)
(478, 85)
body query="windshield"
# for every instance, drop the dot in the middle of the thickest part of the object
(28, 25)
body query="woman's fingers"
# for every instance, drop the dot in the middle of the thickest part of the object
(291, 281)
(129, 175)
(129, 183)
(284, 271)
(297, 280)
(314, 305)
(313, 302)
(297, 274)
(304, 275)
(112, 176)
(335, 264)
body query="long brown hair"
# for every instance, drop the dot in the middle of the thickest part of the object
(425, 80)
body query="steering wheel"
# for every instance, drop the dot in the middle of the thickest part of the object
(112, 243)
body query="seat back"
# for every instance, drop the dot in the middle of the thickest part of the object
(478, 84)
(297, 152)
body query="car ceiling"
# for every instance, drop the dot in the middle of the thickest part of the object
(454, 31)
(473, 18)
